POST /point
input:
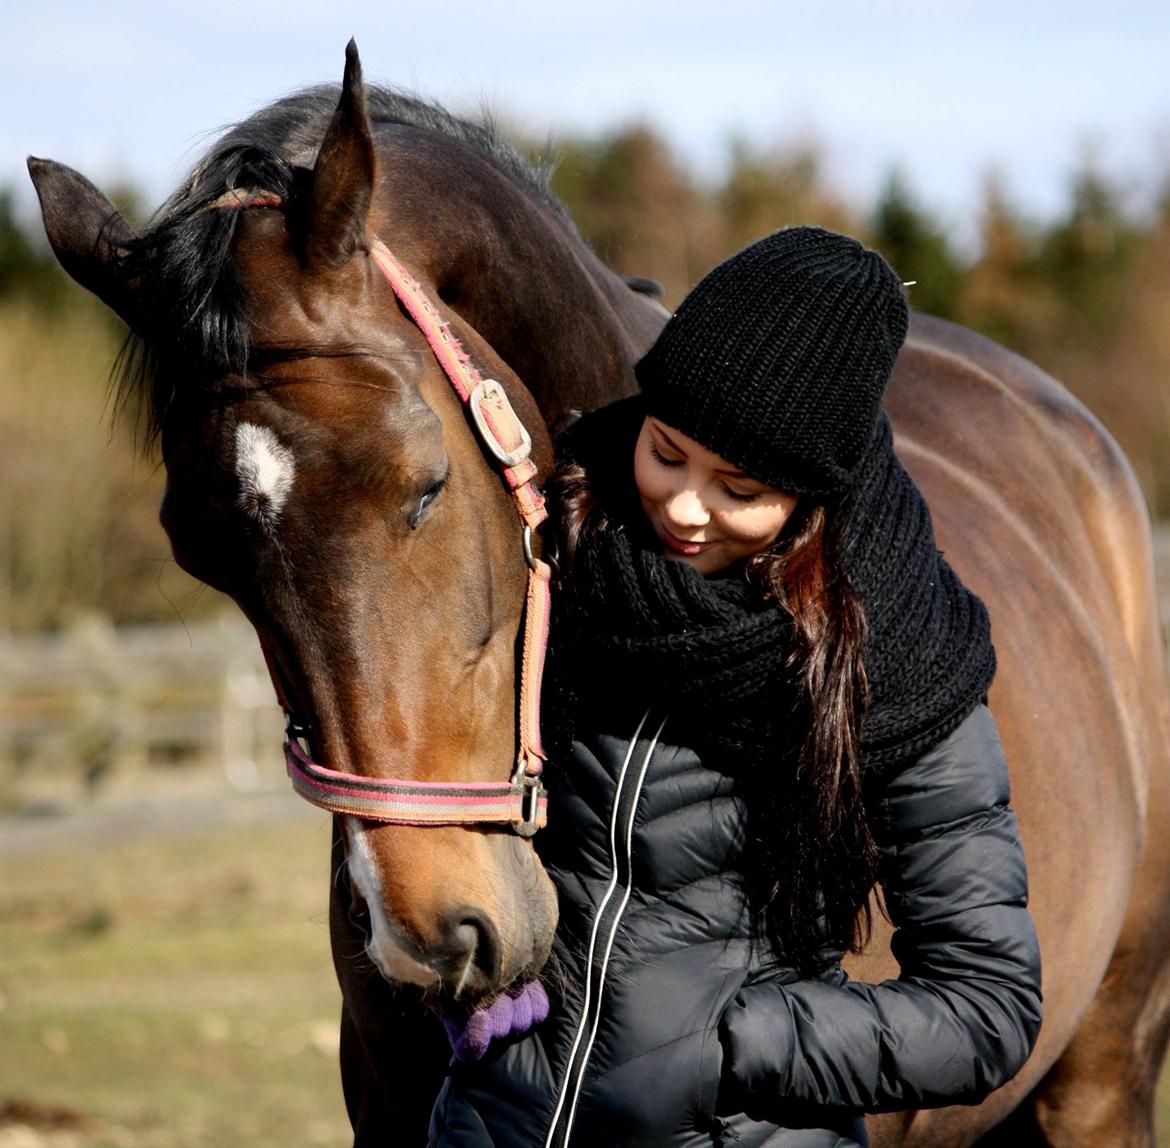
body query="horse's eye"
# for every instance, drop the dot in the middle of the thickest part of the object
(429, 495)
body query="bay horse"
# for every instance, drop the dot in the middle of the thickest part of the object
(321, 472)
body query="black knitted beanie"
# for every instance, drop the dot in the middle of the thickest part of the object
(778, 358)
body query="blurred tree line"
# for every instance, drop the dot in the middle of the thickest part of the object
(1085, 294)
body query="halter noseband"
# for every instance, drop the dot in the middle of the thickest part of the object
(520, 802)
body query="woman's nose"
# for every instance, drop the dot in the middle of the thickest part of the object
(686, 509)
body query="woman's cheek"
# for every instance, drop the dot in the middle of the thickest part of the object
(754, 527)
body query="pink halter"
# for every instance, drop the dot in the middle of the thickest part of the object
(520, 801)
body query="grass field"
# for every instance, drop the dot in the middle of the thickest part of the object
(176, 991)
(171, 993)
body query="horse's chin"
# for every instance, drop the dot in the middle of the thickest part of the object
(398, 965)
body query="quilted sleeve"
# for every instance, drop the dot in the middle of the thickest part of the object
(963, 1015)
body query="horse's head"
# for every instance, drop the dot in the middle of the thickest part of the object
(322, 472)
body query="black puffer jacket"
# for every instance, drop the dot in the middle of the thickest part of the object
(670, 1027)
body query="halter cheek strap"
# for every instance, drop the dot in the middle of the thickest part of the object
(520, 801)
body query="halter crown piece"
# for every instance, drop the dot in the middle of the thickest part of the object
(521, 801)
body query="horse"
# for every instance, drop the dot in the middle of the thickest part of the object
(320, 470)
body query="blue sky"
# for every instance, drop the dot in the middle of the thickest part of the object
(946, 88)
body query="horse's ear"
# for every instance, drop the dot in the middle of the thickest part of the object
(86, 232)
(343, 177)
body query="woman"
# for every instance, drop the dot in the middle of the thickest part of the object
(770, 690)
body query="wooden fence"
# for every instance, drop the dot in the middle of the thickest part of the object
(81, 706)
(93, 703)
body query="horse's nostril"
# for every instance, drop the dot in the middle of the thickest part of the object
(462, 942)
(475, 937)
(487, 951)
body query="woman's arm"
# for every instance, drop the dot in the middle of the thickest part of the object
(963, 1016)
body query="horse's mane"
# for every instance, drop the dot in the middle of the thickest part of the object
(193, 322)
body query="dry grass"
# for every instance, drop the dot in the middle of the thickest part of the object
(178, 993)
(171, 993)
(78, 504)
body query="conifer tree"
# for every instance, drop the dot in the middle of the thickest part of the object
(770, 188)
(917, 247)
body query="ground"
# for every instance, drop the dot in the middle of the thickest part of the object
(165, 979)
(173, 989)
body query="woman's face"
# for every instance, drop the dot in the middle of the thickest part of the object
(707, 512)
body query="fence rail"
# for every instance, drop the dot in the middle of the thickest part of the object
(78, 707)
(81, 707)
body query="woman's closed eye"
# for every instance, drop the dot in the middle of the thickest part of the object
(660, 457)
(730, 491)
(740, 495)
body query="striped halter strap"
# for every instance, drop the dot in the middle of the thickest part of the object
(520, 801)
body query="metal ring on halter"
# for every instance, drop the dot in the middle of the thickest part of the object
(530, 806)
(549, 557)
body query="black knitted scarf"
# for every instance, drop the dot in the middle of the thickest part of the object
(636, 628)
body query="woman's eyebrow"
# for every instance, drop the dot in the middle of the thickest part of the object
(669, 441)
(736, 474)
(732, 473)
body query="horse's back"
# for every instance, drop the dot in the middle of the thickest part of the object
(1038, 510)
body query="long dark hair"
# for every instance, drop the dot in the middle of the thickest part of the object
(811, 845)
(812, 859)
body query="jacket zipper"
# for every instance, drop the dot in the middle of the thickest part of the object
(610, 908)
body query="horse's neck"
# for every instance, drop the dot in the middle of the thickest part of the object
(567, 325)
(570, 328)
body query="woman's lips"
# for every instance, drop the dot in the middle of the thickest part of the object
(681, 546)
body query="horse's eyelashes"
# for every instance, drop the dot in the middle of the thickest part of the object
(429, 495)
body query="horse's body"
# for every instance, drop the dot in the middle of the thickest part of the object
(321, 472)
(1037, 509)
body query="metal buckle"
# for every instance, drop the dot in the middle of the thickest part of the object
(532, 788)
(294, 729)
(489, 392)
